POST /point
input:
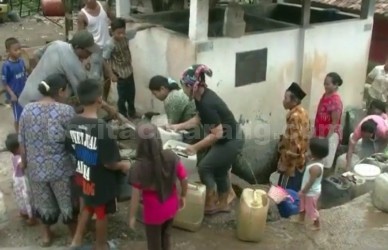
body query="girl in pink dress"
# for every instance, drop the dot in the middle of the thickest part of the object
(21, 188)
(153, 177)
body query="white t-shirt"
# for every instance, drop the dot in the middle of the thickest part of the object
(379, 87)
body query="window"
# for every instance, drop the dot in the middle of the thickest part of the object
(251, 67)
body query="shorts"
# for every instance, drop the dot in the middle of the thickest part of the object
(102, 210)
(17, 110)
(308, 205)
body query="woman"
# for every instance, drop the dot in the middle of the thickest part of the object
(49, 166)
(373, 133)
(224, 139)
(328, 117)
(177, 105)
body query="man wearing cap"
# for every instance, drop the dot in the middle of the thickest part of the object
(60, 57)
(294, 142)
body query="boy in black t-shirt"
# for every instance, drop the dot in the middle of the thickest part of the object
(98, 163)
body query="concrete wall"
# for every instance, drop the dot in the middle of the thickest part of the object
(250, 103)
(342, 47)
(158, 52)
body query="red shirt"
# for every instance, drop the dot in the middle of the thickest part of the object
(327, 105)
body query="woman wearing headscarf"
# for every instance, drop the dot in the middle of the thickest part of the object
(224, 139)
(48, 165)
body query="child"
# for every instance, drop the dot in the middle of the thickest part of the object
(98, 161)
(13, 76)
(154, 175)
(20, 185)
(118, 61)
(311, 183)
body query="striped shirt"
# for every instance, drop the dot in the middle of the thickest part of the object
(117, 53)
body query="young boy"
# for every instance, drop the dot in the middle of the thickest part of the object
(98, 161)
(13, 76)
(118, 59)
(311, 183)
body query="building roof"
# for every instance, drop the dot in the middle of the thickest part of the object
(355, 5)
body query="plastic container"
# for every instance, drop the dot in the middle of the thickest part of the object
(336, 191)
(3, 211)
(277, 194)
(191, 216)
(379, 193)
(368, 172)
(53, 8)
(189, 161)
(365, 175)
(290, 206)
(340, 166)
(252, 215)
(159, 120)
(167, 135)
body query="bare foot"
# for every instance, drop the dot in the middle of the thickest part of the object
(31, 222)
(314, 228)
(47, 239)
(297, 221)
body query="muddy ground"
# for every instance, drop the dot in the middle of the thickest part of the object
(355, 226)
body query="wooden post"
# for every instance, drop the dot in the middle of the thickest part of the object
(306, 13)
(367, 8)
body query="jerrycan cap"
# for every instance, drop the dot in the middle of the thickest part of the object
(256, 201)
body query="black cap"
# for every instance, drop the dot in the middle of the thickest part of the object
(84, 40)
(53, 79)
(297, 90)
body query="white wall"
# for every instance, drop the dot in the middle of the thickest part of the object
(259, 103)
(342, 47)
(304, 56)
(158, 52)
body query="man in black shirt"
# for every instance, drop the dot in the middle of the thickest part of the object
(224, 140)
(98, 162)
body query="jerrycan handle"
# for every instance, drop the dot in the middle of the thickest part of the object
(256, 197)
(192, 186)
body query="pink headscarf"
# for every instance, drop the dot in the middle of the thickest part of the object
(194, 76)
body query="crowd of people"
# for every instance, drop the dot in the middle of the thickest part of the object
(67, 165)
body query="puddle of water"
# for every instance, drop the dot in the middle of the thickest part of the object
(375, 218)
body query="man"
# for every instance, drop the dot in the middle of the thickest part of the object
(62, 58)
(95, 19)
(378, 80)
(294, 142)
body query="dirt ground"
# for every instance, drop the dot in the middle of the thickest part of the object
(356, 225)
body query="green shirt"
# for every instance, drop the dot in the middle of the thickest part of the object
(178, 107)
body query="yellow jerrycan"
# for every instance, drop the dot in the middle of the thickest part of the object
(252, 215)
(191, 216)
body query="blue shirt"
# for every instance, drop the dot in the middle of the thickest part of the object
(13, 74)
